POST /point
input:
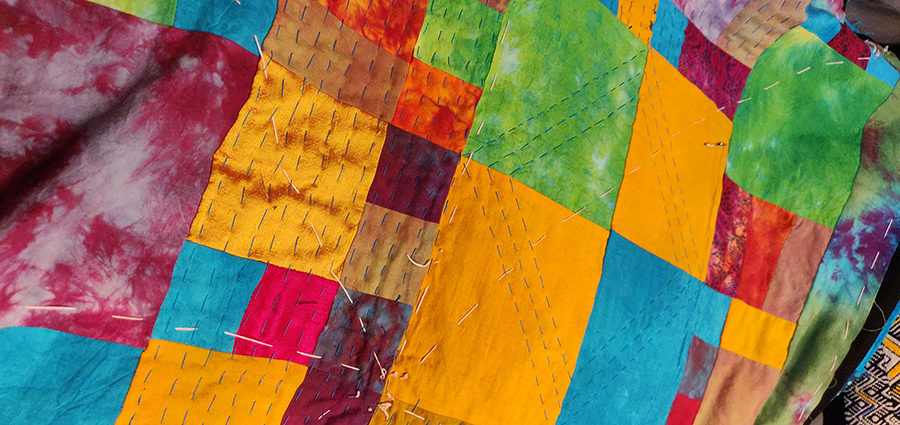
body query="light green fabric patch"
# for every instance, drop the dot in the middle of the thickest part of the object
(459, 36)
(159, 11)
(796, 144)
(561, 96)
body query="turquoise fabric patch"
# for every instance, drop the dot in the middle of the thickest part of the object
(51, 377)
(238, 22)
(612, 5)
(645, 315)
(668, 31)
(821, 23)
(881, 69)
(210, 291)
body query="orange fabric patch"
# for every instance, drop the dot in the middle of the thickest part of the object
(393, 25)
(767, 230)
(673, 173)
(437, 106)
(756, 335)
(638, 16)
(502, 311)
(736, 390)
(176, 383)
(291, 198)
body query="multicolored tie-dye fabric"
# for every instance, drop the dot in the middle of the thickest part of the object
(442, 211)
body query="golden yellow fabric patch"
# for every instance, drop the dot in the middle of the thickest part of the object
(638, 16)
(673, 173)
(756, 335)
(176, 383)
(503, 308)
(289, 182)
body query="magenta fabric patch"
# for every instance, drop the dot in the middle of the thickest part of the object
(727, 255)
(107, 126)
(718, 75)
(413, 175)
(288, 311)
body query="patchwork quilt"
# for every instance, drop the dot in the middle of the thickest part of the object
(445, 212)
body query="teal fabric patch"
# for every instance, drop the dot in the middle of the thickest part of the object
(557, 111)
(796, 143)
(229, 19)
(210, 291)
(51, 377)
(646, 313)
(458, 36)
(668, 31)
(821, 23)
(881, 69)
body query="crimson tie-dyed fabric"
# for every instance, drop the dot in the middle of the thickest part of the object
(446, 211)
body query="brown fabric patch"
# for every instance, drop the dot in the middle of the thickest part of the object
(758, 25)
(796, 268)
(498, 5)
(736, 391)
(315, 45)
(378, 263)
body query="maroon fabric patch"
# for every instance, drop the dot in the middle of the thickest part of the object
(720, 76)
(330, 398)
(697, 368)
(851, 47)
(107, 127)
(413, 175)
(727, 254)
(288, 310)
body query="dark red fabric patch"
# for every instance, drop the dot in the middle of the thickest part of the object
(330, 398)
(288, 310)
(729, 239)
(851, 47)
(684, 410)
(767, 230)
(720, 76)
(413, 175)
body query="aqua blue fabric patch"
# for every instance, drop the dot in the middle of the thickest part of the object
(668, 31)
(238, 22)
(210, 291)
(612, 5)
(644, 318)
(821, 23)
(51, 377)
(881, 69)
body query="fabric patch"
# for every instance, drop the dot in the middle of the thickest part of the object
(756, 335)
(736, 390)
(717, 74)
(413, 175)
(55, 377)
(398, 411)
(668, 31)
(458, 37)
(822, 23)
(160, 12)
(287, 313)
(727, 254)
(767, 230)
(850, 273)
(684, 410)
(106, 140)
(850, 46)
(711, 17)
(312, 43)
(389, 255)
(238, 22)
(498, 5)
(437, 106)
(652, 327)
(392, 25)
(329, 398)
(549, 104)
(804, 161)
(873, 398)
(192, 385)
(638, 16)
(881, 69)
(207, 297)
(509, 275)
(796, 267)
(758, 25)
(294, 168)
(676, 152)
(699, 365)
